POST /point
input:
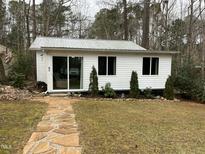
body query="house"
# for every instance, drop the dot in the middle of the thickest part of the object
(65, 64)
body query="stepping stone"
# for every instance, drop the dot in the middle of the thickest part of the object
(28, 147)
(36, 136)
(69, 150)
(71, 140)
(66, 131)
(42, 148)
(44, 128)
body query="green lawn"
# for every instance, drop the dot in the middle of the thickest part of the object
(132, 127)
(17, 121)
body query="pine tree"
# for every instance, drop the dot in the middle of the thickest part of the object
(134, 86)
(169, 89)
(93, 86)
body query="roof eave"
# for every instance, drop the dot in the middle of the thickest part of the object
(89, 49)
(103, 50)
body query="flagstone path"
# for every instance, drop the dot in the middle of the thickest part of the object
(57, 132)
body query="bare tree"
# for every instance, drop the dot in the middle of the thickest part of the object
(45, 17)
(203, 40)
(190, 28)
(146, 16)
(34, 19)
(27, 14)
(125, 20)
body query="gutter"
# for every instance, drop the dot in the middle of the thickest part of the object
(103, 50)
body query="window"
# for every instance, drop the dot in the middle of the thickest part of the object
(111, 65)
(155, 66)
(146, 66)
(102, 65)
(150, 66)
(106, 65)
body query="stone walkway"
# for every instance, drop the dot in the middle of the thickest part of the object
(57, 132)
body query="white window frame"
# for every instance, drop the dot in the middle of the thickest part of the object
(150, 71)
(107, 65)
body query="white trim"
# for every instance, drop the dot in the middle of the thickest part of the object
(68, 71)
(71, 90)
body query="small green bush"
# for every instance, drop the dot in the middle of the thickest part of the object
(134, 86)
(148, 93)
(93, 86)
(169, 89)
(108, 91)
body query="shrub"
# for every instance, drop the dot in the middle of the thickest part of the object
(93, 86)
(18, 80)
(148, 93)
(169, 89)
(134, 86)
(22, 65)
(188, 82)
(108, 91)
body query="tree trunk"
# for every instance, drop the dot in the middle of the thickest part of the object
(2, 71)
(190, 29)
(146, 15)
(203, 42)
(45, 17)
(34, 19)
(27, 25)
(125, 20)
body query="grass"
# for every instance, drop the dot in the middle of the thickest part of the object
(132, 127)
(17, 121)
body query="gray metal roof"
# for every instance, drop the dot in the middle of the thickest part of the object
(66, 44)
(86, 44)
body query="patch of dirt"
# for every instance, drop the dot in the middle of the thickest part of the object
(9, 93)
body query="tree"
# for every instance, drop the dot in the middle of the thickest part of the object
(53, 15)
(16, 36)
(169, 89)
(2, 20)
(125, 20)
(190, 29)
(2, 71)
(93, 86)
(27, 22)
(177, 35)
(134, 86)
(106, 25)
(145, 28)
(34, 19)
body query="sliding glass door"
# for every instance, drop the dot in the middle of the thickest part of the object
(75, 73)
(67, 68)
(60, 74)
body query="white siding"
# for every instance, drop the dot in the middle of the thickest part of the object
(125, 64)
(41, 66)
